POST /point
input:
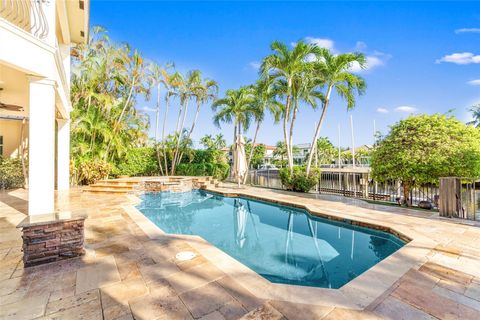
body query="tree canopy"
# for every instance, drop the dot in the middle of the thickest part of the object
(421, 149)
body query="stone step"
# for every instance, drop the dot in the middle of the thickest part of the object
(106, 190)
(119, 182)
(112, 186)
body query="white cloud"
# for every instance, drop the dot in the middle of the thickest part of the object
(460, 58)
(382, 110)
(255, 65)
(372, 62)
(321, 42)
(148, 109)
(360, 46)
(406, 109)
(474, 82)
(468, 30)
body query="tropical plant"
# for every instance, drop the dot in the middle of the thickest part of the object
(257, 154)
(216, 142)
(421, 149)
(264, 100)
(335, 72)
(475, 110)
(156, 77)
(203, 91)
(290, 69)
(237, 107)
(11, 174)
(325, 152)
(185, 92)
(298, 180)
(141, 161)
(106, 79)
(86, 172)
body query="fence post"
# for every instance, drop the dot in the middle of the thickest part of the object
(450, 197)
(268, 178)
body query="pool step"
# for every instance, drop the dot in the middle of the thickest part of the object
(105, 190)
(117, 186)
(128, 185)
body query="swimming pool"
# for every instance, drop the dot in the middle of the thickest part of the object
(282, 244)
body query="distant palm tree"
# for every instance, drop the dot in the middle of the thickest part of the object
(335, 71)
(185, 92)
(156, 76)
(238, 107)
(264, 100)
(288, 67)
(475, 110)
(203, 91)
(171, 83)
(216, 142)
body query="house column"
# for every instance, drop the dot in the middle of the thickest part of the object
(41, 162)
(63, 154)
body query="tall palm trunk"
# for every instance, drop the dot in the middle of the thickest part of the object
(292, 123)
(251, 151)
(319, 126)
(121, 116)
(285, 124)
(157, 116)
(191, 129)
(177, 147)
(179, 117)
(167, 100)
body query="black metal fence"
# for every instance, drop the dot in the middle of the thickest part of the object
(360, 185)
(470, 198)
(353, 184)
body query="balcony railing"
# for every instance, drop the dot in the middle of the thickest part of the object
(27, 15)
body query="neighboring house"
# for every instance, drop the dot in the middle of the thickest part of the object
(301, 155)
(35, 41)
(269, 157)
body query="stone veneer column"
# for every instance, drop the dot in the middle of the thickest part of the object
(41, 154)
(49, 238)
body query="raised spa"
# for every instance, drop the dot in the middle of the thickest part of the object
(283, 244)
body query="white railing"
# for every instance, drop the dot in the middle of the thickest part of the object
(27, 15)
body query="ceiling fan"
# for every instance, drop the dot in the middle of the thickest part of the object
(10, 107)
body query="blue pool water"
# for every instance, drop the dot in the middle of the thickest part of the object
(283, 244)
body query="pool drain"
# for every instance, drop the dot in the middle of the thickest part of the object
(185, 255)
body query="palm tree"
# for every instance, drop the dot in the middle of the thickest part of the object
(288, 66)
(335, 71)
(265, 99)
(185, 92)
(133, 79)
(156, 76)
(475, 110)
(171, 82)
(203, 91)
(237, 107)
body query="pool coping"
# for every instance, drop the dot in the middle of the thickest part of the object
(357, 294)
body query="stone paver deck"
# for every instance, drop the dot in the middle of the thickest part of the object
(130, 271)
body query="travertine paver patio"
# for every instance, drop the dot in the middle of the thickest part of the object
(125, 274)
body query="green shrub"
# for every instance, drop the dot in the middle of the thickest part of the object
(298, 180)
(11, 173)
(217, 170)
(90, 171)
(138, 162)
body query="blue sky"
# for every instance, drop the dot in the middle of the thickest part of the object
(424, 56)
